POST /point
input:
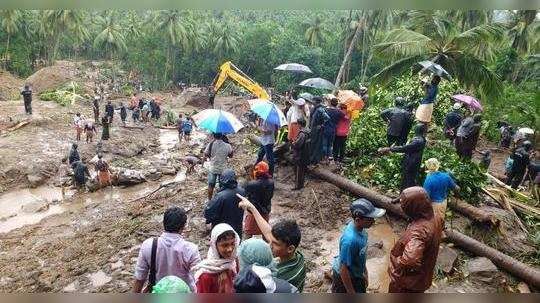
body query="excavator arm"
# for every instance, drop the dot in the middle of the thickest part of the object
(229, 70)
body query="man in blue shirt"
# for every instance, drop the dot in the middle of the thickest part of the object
(437, 185)
(349, 267)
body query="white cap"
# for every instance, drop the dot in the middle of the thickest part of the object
(299, 101)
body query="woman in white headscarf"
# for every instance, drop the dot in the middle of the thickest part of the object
(216, 273)
(298, 110)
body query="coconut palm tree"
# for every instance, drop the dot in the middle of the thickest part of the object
(58, 22)
(315, 32)
(110, 37)
(437, 39)
(172, 24)
(10, 23)
(525, 31)
(224, 37)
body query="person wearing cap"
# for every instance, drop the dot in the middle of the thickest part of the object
(260, 191)
(318, 118)
(397, 119)
(437, 185)
(452, 121)
(520, 161)
(223, 208)
(284, 238)
(216, 273)
(297, 111)
(259, 279)
(414, 255)
(349, 267)
(410, 165)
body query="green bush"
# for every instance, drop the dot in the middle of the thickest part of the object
(368, 133)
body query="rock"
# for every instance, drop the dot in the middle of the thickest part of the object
(153, 175)
(446, 259)
(130, 177)
(35, 206)
(481, 269)
(35, 179)
(523, 288)
(168, 170)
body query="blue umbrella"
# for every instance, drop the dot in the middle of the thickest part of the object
(217, 121)
(268, 111)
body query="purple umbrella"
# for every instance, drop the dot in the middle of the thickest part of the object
(470, 101)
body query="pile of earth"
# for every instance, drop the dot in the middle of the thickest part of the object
(9, 86)
(52, 77)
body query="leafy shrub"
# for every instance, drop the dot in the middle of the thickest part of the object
(65, 95)
(368, 133)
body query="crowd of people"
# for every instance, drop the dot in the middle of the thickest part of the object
(245, 252)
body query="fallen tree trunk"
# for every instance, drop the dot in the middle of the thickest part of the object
(475, 213)
(528, 273)
(521, 270)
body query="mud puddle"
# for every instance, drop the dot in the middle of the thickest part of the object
(24, 207)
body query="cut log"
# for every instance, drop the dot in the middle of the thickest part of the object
(472, 212)
(508, 188)
(519, 269)
(529, 274)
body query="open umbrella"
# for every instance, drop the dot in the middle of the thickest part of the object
(217, 121)
(353, 102)
(306, 96)
(268, 111)
(294, 67)
(526, 130)
(435, 69)
(470, 101)
(318, 83)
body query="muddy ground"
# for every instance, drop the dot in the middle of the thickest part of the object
(88, 242)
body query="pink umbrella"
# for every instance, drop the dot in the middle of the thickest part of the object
(470, 101)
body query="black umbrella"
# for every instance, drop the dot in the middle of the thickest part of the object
(435, 68)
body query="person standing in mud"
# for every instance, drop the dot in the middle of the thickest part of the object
(90, 131)
(105, 135)
(413, 257)
(349, 271)
(300, 148)
(80, 172)
(218, 152)
(27, 98)
(123, 113)
(95, 107)
(410, 165)
(318, 117)
(109, 111)
(260, 192)
(104, 174)
(74, 154)
(78, 124)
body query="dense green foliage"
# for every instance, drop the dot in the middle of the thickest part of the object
(368, 133)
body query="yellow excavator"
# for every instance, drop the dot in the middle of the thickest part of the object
(229, 70)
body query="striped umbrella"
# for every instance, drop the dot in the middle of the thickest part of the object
(268, 111)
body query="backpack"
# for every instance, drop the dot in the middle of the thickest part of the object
(187, 126)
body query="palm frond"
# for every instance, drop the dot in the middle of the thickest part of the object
(482, 33)
(403, 42)
(396, 68)
(472, 72)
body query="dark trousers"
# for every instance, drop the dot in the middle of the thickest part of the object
(28, 107)
(514, 178)
(339, 288)
(392, 139)
(339, 148)
(408, 177)
(299, 175)
(267, 150)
